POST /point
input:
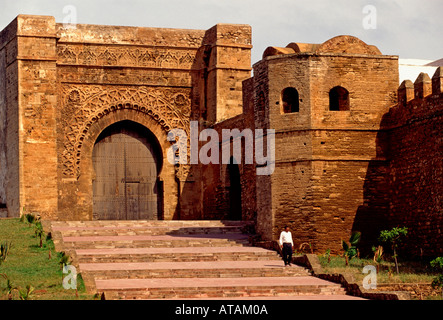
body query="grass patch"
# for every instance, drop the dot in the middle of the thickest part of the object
(28, 264)
(410, 271)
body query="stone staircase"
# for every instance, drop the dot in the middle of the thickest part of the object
(182, 260)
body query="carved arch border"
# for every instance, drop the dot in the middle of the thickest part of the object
(152, 105)
(168, 171)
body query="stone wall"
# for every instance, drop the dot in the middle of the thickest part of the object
(38, 102)
(217, 183)
(363, 168)
(3, 125)
(415, 129)
(330, 176)
(366, 169)
(170, 76)
(74, 82)
(10, 136)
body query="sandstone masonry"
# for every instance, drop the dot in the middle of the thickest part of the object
(353, 150)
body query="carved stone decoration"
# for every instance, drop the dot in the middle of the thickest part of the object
(182, 172)
(109, 55)
(85, 105)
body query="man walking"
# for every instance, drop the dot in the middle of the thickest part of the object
(286, 245)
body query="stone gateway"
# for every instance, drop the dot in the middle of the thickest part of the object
(85, 114)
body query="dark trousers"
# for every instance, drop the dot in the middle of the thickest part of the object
(287, 253)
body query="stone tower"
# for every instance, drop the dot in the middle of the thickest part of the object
(325, 102)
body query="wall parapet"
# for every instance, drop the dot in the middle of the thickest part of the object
(417, 101)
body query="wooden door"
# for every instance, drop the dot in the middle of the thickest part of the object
(125, 182)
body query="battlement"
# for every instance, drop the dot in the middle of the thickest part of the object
(423, 87)
(417, 100)
(414, 130)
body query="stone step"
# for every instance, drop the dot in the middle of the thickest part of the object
(204, 288)
(78, 231)
(213, 269)
(182, 260)
(148, 241)
(150, 223)
(335, 296)
(178, 254)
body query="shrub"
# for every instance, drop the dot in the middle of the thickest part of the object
(39, 232)
(4, 251)
(351, 248)
(31, 218)
(438, 265)
(9, 286)
(393, 237)
(378, 255)
(26, 294)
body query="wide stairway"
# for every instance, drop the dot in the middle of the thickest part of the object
(183, 260)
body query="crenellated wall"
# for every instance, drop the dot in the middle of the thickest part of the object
(415, 129)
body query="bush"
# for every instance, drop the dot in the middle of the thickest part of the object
(351, 248)
(4, 251)
(438, 264)
(393, 237)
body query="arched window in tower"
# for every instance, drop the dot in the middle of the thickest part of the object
(290, 100)
(338, 99)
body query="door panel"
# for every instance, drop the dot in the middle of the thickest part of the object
(125, 176)
(132, 201)
(108, 186)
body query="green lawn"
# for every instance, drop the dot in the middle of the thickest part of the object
(28, 264)
(409, 271)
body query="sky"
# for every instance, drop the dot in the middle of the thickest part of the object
(407, 28)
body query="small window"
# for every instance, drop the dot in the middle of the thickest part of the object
(338, 99)
(290, 100)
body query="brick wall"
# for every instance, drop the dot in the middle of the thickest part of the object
(76, 81)
(37, 106)
(362, 169)
(416, 164)
(3, 126)
(9, 141)
(331, 166)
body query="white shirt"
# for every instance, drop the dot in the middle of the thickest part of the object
(286, 237)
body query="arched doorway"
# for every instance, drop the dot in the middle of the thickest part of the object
(235, 204)
(126, 161)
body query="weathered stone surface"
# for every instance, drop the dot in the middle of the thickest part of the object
(325, 159)
(416, 170)
(61, 87)
(374, 163)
